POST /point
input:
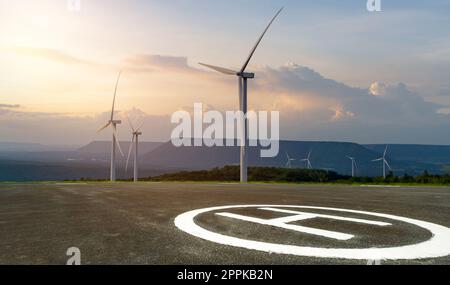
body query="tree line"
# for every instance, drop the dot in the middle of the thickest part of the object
(274, 174)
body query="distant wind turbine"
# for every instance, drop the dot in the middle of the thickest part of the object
(243, 76)
(308, 161)
(353, 165)
(134, 140)
(115, 140)
(384, 161)
(289, 161)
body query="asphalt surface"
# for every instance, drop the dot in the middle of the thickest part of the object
(134, 223)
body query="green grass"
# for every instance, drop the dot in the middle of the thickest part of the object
(353, 184)
(309, 176)
(272, 175)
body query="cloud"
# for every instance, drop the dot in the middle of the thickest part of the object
(443, 91)
(379, 98)
(315, 107)
(377, 89)
(9, 106)
(341, 114)
(63, 129)
(153, 63)
(205, 108)
(312, 107)
(53, 55)
(295, 78)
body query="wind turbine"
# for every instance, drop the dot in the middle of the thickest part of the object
(308, 161)
(135, 140)
(115, 140)
(289, 160)
(353, 165)
(242, 81)
(385, 162)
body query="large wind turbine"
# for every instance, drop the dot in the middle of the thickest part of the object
(242, 81)
(353, 165)
(384, 161)
(115, 140)
(135, 140)
(308, 161)
(289, 160)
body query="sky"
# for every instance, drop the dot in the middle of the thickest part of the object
(333, 70)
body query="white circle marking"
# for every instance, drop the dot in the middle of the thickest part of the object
(437, 246)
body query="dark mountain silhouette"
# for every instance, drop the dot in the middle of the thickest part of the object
(439, 154)
(325, 155)
(102, 150)
(32, 147)
(415, 159)
(92, 160)
(97, 151)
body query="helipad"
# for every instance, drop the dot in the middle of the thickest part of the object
(437, 246)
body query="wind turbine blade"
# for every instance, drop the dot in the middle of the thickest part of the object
(129, 153)
(131, 124)
(379, 159)
(104, 127)
(141, 125)
(117, 141)
(259, 41)
(385, 151)
(309, 154)
(220, 69)
(115, 92)
(287, 155)
(385, 161)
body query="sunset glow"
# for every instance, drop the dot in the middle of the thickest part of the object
(61, 62)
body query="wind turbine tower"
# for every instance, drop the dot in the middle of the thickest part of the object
(289, 161)
(134, 142)
(353, 165)
(308, 161)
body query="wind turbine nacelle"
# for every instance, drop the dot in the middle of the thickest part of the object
(116, 122)
(137, 133)
(246, 75)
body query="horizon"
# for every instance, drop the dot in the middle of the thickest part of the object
(168, 141)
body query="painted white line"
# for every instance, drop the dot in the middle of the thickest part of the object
(62, 184)
(437, 246)
(308, 230)
(295, 218)
(362, 221)
(380, 186)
